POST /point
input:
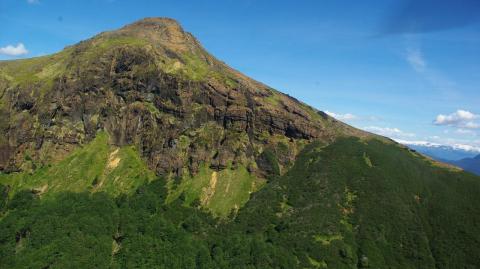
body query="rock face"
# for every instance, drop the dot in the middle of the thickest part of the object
(152, 85)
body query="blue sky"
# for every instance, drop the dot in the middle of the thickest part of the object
(407, 69)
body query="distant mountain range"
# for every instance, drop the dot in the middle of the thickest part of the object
(465, 157)
(469, 164)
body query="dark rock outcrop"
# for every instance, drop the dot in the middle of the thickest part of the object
(152, 85)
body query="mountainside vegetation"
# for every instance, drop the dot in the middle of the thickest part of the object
(350, 204)
(138, 149)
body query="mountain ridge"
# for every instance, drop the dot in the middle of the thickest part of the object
(152, 85)
(468, 164)
(138, 149)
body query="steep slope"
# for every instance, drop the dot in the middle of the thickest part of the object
(138, 149)
(152, 85)
(368, 205)
(350, 204)
(97, 166)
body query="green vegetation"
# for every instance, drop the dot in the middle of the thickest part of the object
(33, 69)
(193, 67)
(330, 210)
(327, 239)
(99, 46)
(38, 74)
(274, 98)
(345, 213)
(81, 230)
(218, 191)
(317, 264)
(108, 42)
(271, 162)
(153, 110)
(68, 231)
(35, 74)
(97, 166)
(367, 160)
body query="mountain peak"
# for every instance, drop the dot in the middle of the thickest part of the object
(160, 32)
(152, 85)
(157, 25)
(151, 21)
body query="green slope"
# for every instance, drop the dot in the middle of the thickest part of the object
(351, 204)
(95, 167)
(370, 205)
(99, 166)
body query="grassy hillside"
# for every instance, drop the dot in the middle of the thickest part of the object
(351, 204)
(220, 191)
(101, 167)
(369, 205)
(95, 167)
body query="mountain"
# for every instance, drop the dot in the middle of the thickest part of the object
(138, 149)
(442, 152)
(459, 155)
(469, 164)
(152, 86)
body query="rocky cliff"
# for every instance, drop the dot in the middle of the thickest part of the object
(152, 85)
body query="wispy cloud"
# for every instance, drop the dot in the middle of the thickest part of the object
(343, 117)
(11, 50)
(349, 117)
(389, 132)
(462, 131)
(461, 119)
(33, 1)
(415, 58)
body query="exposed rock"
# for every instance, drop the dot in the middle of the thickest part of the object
(148, 84)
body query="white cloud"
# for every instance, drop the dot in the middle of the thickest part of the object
(456, 145)
(466, 147)
(11, 50)
(389, 132)
(351, 117)
(33, 1)
(415, 58)
(472, 125)
(460, 118)
(418, 143)
(345, 117)
(465, 131)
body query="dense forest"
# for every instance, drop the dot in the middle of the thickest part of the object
(350, 204)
